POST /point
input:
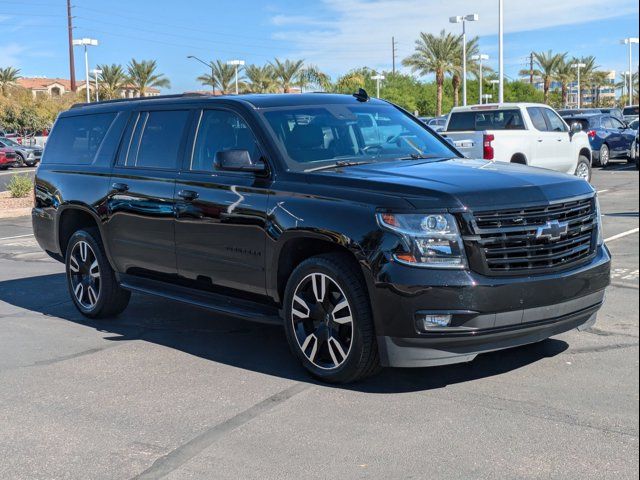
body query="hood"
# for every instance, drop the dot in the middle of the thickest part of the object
(459, 183)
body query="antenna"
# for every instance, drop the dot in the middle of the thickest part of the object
(362, 95)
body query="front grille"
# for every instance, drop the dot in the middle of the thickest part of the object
(508, 242)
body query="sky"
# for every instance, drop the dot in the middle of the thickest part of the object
(335, 35)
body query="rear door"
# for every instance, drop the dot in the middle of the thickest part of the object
(221, 215)
(141, 200)
(624, 137)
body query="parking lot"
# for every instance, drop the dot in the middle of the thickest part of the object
(167, 390)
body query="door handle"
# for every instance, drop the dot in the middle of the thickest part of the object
(540, 140)
(120, 187)
(558, 139)
(188, 195)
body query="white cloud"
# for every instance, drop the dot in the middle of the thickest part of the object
(358, 32)
(10, 54)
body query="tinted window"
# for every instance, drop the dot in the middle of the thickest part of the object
(76, 140)
(537, 118)
(630, 111)
(486, 120)
(219, 131)
(317, 136)
(555, 122)
(160, 136)
(583, 122)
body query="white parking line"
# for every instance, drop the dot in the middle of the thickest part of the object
(622, 235)
(17, 236)
(600, 192)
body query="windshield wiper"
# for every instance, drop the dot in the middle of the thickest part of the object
(339, 163)
(420, 156)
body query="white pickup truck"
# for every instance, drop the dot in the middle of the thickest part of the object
(525, 133)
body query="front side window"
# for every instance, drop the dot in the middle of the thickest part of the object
(221, 130)
(555, 122)
(537, 118)
(76, 140)
(315, 136)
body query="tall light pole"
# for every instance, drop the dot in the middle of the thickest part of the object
(630, 41)
(501, 51)
(238, 64)
(86, 42)
(578, 66)
(480, 58)
(96, 72)
(210, 65)
(464, 19)
(377, 78)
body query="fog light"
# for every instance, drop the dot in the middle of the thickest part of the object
(427, 321)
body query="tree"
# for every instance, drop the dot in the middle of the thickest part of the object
(547, 64)
(565, 74)
(222, 76)
(350, 82)
(287, 73)
(311, 75)
(260, 79)
(586, 73)
(112, 80)
(8, 77)
(143, 75)
(434, 54)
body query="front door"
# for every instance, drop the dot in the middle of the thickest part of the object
(563, 156)
(141, 207)
(221, 216)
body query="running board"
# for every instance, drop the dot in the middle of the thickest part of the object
(244, 309)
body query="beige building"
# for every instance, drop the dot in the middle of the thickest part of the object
(55, 87)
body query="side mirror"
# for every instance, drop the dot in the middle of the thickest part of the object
(238, 161)
(576, 127)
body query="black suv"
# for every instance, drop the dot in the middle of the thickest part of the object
(343, 218)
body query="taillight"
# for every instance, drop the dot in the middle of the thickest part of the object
(487, 148)
(591, 133)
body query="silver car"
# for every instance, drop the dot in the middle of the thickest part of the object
(25, 156)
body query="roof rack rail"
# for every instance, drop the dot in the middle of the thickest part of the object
(157, 97)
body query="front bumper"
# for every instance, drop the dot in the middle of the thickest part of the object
(488, 313)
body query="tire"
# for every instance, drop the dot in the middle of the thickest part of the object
(583, 170)
(328, 320)
(20, 160)
(91, 280)
(605, 156)
(631, 158)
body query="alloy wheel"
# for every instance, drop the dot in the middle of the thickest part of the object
(322, 321)
(604, 156)
(583, 171)
(84, 272)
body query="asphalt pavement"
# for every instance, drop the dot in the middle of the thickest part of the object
(170, 391)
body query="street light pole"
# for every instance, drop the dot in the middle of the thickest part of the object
(630, 41)
(501, 51)
(377, 78)
(578, 66)
(210, 65)
(96, 72)
(464, 19)
(237, 64)
(86, 42)
(480, 58)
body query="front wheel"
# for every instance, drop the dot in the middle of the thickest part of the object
(91, 280)
(583, 170)
(20, 162)
(328, 320)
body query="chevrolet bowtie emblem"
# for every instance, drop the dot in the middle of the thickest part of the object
(553, 230)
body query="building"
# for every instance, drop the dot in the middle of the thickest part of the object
(602, 95)
(56, 87)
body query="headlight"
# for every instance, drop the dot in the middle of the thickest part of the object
(599, 223)
(432, 240)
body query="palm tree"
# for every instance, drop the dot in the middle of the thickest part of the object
(287, 73)
(311, 75)
(456, 79)
(142, 76)
(8, 77)
(586, 72)
(547, 64)
(260, 79)
(222, 76)
(434, 54)
(565, 74)
(350, 82)
(112, 80)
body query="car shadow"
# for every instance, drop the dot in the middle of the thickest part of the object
(251, 346)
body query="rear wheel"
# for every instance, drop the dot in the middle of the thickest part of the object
(328, 320)
(583, 170)
(91, 280)
(605, 155)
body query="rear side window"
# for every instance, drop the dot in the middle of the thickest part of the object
(76, 140)
(157, 140)
(537, 118)
(486, 120)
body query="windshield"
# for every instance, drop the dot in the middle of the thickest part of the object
(10, 142)
(317, 136)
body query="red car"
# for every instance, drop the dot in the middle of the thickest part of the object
(7, 158)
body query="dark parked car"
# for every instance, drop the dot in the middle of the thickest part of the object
(25, 156)
(630, 113)
(609, 137)
(614, 112)
(392, 251)
(7, 158)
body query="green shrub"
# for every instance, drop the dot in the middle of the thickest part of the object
(20, 186)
